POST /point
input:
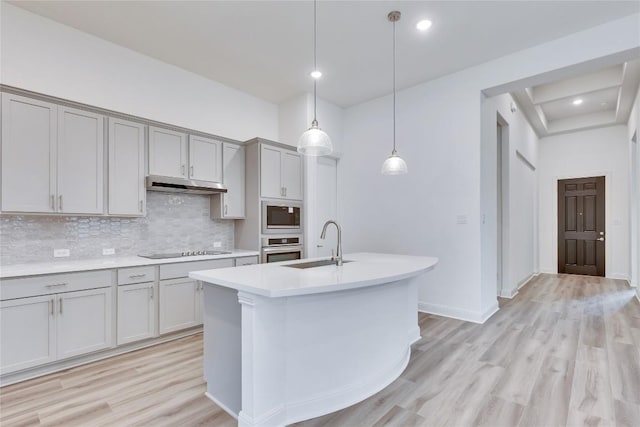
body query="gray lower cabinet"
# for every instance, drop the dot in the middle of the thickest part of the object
(136, 312)
(45, 319)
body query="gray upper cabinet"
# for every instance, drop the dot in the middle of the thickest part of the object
(52, 158)
(230, 205)
(127, 194)
(280, 173)
(167, 153)
(80, 161)
(29, 139)
(205, 159)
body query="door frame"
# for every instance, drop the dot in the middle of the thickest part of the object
(607, 215)
(502, 205)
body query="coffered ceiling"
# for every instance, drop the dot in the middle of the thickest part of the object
(587, 101)
(265, 47)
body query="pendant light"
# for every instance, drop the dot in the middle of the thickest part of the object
(394, 165)
(314, 141)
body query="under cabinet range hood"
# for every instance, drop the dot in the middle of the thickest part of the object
(182, 185)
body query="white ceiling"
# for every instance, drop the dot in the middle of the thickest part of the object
(607, 99)
(265, 47)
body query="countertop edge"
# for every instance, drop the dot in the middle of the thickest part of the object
(201, 275)
(17, 271)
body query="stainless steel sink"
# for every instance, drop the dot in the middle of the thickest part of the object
(312, 264)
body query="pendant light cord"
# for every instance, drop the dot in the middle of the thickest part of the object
(394, 87)
(315, 60)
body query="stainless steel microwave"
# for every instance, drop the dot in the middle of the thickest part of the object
(281, 217)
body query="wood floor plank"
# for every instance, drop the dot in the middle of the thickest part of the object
(498, 412)
(565, 351)
(552, 390)
(627, 414)
(624, 363)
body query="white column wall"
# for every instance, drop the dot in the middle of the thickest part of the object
(521, 224)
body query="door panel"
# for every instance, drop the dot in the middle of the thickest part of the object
(167, 153)
(205, 159)
(27, 333)
(271, 172)
(126, 168)
(581, 226)
(28, 154)
(80, 161)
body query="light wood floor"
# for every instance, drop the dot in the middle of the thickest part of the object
(565, 351)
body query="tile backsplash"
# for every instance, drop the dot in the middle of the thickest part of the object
(173, 223)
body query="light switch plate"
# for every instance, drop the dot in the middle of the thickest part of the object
(58, 253)
(217, 244)
(108, 251)
(461, 219)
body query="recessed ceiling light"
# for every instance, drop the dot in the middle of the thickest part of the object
(315, 74)
(577, 101)
(423, 25)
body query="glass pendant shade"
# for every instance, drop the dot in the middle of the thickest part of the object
(314, 142)
(394, 165)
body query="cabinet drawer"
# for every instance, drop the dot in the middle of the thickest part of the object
(55, 283)
(249, 260)
(174, 271)
(127, 276)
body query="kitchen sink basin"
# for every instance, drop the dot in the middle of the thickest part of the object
(312, 264)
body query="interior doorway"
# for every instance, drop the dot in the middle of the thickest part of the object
(581, 226)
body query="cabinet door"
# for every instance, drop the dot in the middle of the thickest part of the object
(205, 159)
(199, 302)
(126, 168)
(80, 161)
(233, 178)
(136, 312)
(27, 333)
(292, 175)
(178, 305)
(84, 322)
(167, 153)
(28, 154)
(270, 172)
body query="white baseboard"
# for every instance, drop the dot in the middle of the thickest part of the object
(619, 276)
(507, 294)
(458, 313)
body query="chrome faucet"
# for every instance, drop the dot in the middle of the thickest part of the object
(338, 257)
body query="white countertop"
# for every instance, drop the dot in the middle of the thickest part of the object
(107, 262)
(278, 280)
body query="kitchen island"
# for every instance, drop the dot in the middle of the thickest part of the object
(285, 344)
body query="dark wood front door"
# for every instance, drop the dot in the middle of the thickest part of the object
(581, 230)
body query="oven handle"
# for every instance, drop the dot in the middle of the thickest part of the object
(281, 248)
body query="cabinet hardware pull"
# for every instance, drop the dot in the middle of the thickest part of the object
(225, 209)
(140, 205)
(151, 289)
(55, 285)
(136, 276)
(60, 305)
(182, 169)
(60, 202)
(53, 202)
(191, 168)
(285, 191)
(51, 305)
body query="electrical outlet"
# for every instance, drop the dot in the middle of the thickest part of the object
(217, 244)
(108, 251)
(58, 253)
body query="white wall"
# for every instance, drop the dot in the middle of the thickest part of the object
(43, 56)
(594, 152)
(439, 134)
(633, 128)
(521, 217)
